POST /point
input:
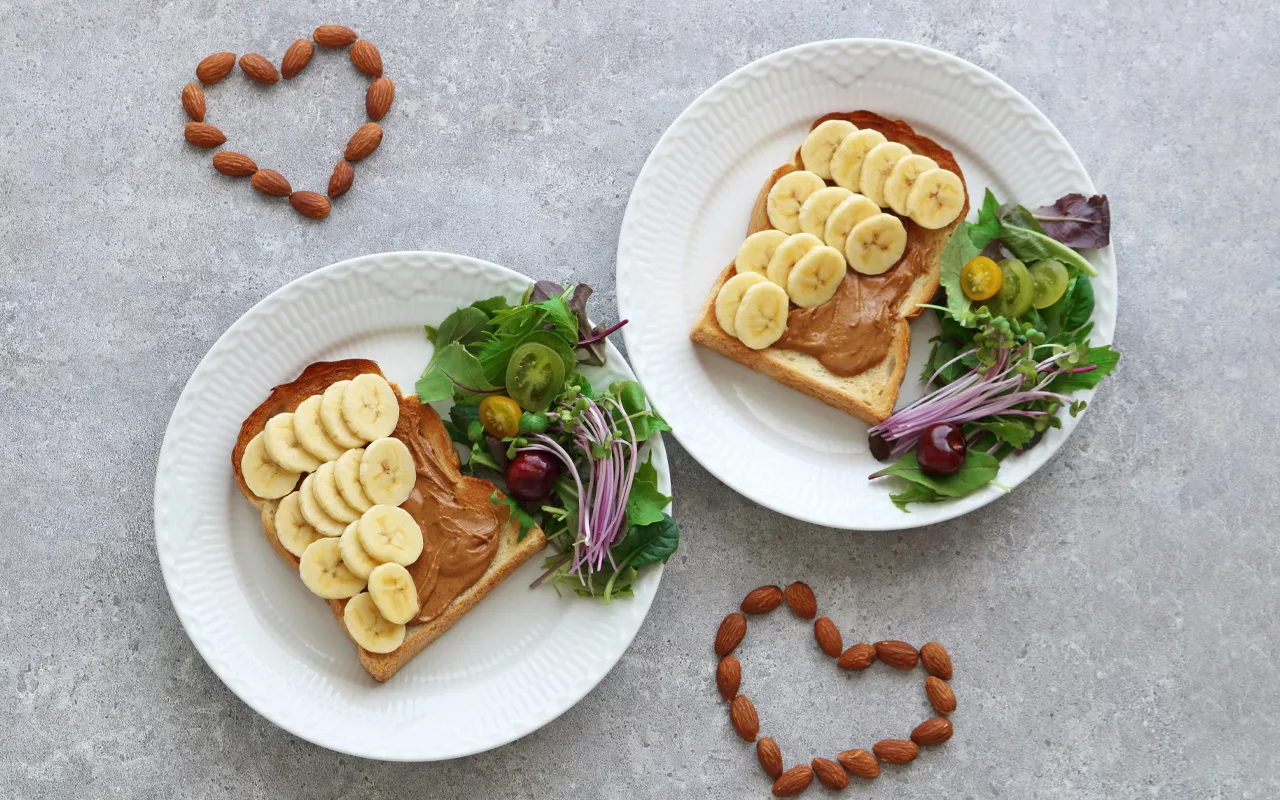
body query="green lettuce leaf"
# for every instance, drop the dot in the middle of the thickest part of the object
(1028, 245)
(524, 518)
(646, 501)
(1104, 358)
(988, 225)
(978, 470)
(914, 493)
(958, 251)
(453, 372)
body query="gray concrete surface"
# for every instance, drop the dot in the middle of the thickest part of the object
(1113, 623)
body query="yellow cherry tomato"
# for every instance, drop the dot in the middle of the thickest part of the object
(500, 416)
(981, 278)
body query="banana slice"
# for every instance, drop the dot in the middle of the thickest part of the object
(283, 447)
(876, 167)
(757, 250)
(325, 488)
(346, 473)
(331, 416)
(787, 254)
(787, 195)
(388, 533)
(817, 209)
(762, 315)
(313, 513)
(394, 593)
(310, 433)
(936, 199)
(821, 142)
(387, 473)
(293, 531)
(846, 161)
(853, 210)
(324, 573)
(899, 182)
(815, 278)
(730, 297)
(368, 627)
(369, 406)
(264, 477)
(876, 244)
(353, 554)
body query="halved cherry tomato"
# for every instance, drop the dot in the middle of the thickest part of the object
(981, 278)
(500, 416)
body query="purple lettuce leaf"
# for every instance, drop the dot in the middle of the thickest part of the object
(1077, 221)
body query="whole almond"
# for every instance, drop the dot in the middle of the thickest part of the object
(859, 657)
(932, 731)
(377, 101)
(828, 636)
(340, 180)
(897, 654)
(367, 58)
(193, 101)
(895, 751)
(728, 677)
(259, 68)
(770, 757)
(202, 134)
(215, 67)
(859, 763)
(830, 774)
(732, 629)
(297, 57)
(941, 697)
(762, 600)
(235, 164)
(334, 36)
(270, 182)
(311, 205)
(364, 141)
(936, 660)
(742, 713)
(801, 601)
(793, 781)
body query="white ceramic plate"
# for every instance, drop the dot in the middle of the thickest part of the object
(688, 215)
(515, 662)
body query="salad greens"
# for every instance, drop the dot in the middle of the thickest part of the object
(520, 399)
(1003, 381)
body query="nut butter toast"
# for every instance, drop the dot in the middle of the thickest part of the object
(851, 352)
(453, 510)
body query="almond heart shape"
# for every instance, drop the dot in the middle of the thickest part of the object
(833, 774)
(378, 99)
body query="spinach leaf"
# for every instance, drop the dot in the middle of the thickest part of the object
(1014, 214)
(988, 225)
(1029, 246)
(453, 372)
(517, 513)
(1013, 432)
(466, 325)
(432, 333)
(648, 544)
(958, 251)
(1104, 358)
(646, 501)
(977, 471)
(1081, 307)
(1077, 221)
(491, 306)
(914, 493)
(511, 328)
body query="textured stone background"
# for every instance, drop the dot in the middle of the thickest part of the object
(1113, 623)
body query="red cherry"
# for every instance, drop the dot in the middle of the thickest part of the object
(530, 475)
(942, 449)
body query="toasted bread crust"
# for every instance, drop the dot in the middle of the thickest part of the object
(510, 556)
(871, 395)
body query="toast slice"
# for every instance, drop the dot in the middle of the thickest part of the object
(414, 416)
(870, 395)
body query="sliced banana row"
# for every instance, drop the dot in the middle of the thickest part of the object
(341, 492)
(886, 172)
(322, 429)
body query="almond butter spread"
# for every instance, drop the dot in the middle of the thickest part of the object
(852, 332)
(460, 527)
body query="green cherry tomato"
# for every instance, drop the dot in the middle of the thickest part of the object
(1050, 281)
(1016, 290)
(500, 416)
(535, 374)
(533, 423)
